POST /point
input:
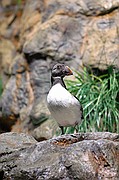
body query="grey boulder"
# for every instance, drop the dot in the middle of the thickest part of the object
(84, 156)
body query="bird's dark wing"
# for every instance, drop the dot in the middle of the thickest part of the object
(81, 108)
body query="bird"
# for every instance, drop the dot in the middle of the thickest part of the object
(63, 106)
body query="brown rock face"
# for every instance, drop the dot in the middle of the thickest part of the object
(83, 31)
(77, 32)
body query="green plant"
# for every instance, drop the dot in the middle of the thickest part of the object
(19, 2)
(99, 96)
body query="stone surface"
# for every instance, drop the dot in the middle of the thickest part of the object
(46, 130)
(77, 32)
(83, 31)
(7, 52)
(80, 156)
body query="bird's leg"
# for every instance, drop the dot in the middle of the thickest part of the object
(76, 127)
(62, 130)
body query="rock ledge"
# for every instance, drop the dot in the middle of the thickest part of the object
(77, 156)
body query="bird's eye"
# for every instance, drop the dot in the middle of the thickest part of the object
(58, 67)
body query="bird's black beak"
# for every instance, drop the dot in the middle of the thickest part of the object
(68, 71)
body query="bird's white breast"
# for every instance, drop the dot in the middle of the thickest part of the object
(59, 95)
(64, 107)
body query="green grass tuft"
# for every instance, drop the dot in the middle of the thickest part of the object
(19, 2)
(99, 96)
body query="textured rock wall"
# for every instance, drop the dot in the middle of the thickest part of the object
(88, 156)
(40, 33)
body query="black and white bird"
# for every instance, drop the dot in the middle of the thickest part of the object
(63, 106)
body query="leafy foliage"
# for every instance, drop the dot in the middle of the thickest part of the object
(99, 96)
(19, 2)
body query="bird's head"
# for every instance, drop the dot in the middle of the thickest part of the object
(60, 70)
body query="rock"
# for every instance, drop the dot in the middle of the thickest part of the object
(17, 94)
(17, 86)
(32, 16)
(44, 126)
(37, 113)
(46, 130)
(15, 140)
(77, 156)
(77, 33)
(6, 3)
(81, 31)
(7, 53)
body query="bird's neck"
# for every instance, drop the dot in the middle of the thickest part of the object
(56, 80)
